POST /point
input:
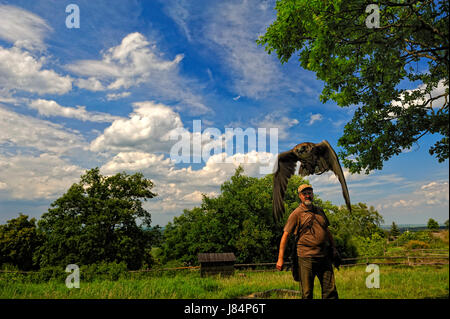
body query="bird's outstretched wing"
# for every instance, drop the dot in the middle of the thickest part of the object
(285, 168)
(329, 161)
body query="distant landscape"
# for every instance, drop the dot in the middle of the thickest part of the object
(410, 227)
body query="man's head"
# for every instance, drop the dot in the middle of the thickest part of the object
(305, 193)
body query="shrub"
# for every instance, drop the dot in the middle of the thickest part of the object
(417, 244)
(406, 237)
(370, 246)
(103, 271)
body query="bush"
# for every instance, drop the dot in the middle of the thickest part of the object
(406, 237)
(370, 246)
(50, 273)
(103, 271)
(417, 244)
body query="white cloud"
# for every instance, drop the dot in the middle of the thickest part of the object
(137, 61)
(128, 64)
(276, 120)
(19, 71)
(22, 28)
(432, 194)
(25, 131)
(116, 96)
(315, 118)
(51, 108)
(147, 128)
(435, 92)
(91, 84)
(36, 177)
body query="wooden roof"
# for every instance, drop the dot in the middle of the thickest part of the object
(212, 257)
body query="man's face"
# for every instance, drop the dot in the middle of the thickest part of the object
(307, 196)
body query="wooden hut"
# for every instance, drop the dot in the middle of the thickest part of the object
(216, 263)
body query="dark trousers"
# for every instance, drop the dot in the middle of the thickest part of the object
(309, 267)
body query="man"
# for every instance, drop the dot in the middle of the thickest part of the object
(313, 246)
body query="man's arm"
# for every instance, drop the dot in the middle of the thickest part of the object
(331, 239)
(283, 243)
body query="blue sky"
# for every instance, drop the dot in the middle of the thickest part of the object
(109, 94)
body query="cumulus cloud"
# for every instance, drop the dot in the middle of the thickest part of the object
(147, 128)
(136, 61)
(128, 64)
(20, 71)
(51, 108)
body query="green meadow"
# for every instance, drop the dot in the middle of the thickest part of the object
(396, 282)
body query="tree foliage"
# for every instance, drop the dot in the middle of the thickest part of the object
(432, 224)
(96, 220)
(395, 232)
(18, 241)
(240, 220)
(365, 66)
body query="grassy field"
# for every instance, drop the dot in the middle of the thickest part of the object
(395, 282)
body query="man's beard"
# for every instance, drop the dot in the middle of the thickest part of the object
(307, 202)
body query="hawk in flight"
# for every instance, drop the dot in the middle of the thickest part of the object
(314, 159)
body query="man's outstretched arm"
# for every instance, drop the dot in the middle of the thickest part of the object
(283, 243)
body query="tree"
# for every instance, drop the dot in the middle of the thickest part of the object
(364, 66)
(18, 242)
(96, 220)
(395, 232)
(348, 227)
(446, 223)
(432, 225)
(240, 220)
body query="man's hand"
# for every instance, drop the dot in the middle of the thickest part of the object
(283, 242)
(337, 260)
(280, 263)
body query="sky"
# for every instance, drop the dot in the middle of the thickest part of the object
(120, 87)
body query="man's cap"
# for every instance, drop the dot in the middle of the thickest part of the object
(303, 187)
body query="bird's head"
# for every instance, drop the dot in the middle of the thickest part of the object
(301, 149)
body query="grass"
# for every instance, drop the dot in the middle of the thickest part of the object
(395, 282)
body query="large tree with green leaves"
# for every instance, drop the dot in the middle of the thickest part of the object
(99, 219)
(371, 67)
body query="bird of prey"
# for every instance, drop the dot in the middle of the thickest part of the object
(314, 159)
